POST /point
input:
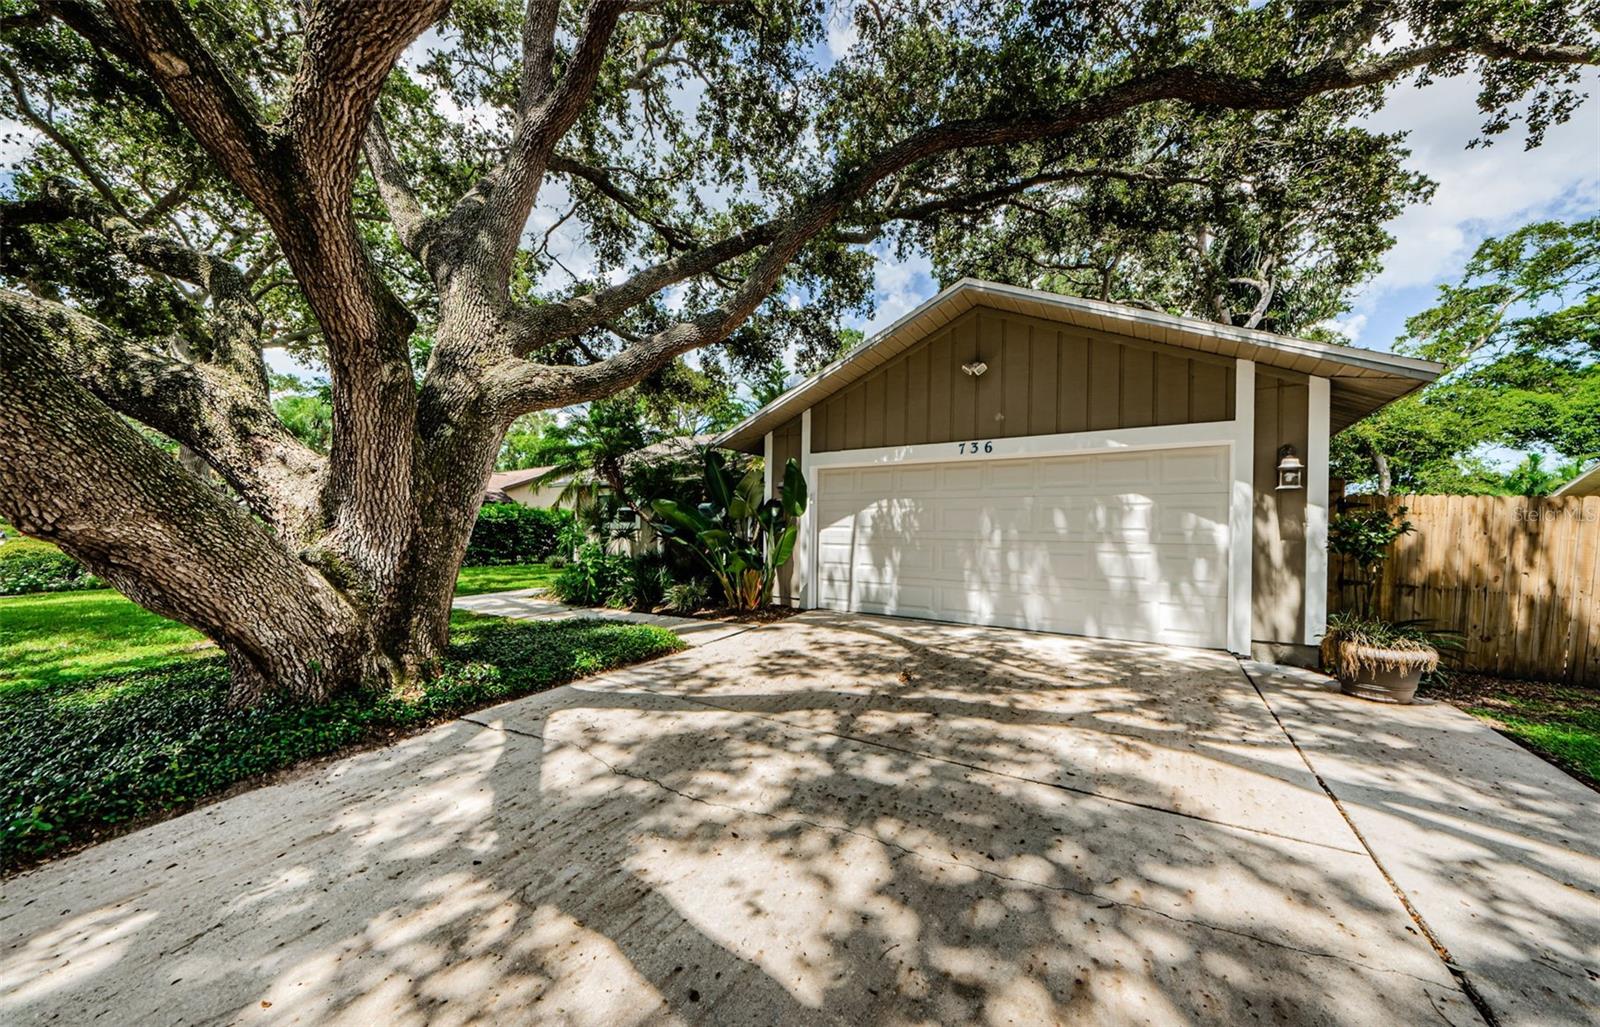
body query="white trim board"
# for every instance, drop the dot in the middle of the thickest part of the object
(1166, 436)
(1316, 578)
(806, 540)
(1241, 509)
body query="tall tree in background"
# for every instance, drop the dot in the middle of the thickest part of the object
(219, 179)
(1519, 336)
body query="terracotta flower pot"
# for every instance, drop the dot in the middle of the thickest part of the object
(1383, 675)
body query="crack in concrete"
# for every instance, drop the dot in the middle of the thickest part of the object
(1463, 981)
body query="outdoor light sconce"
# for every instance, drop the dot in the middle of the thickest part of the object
(1291, 472)
(975, 369)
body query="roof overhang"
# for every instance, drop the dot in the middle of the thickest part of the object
(1361, 380)
(1585, 484)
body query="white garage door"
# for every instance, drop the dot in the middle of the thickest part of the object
(1125, 545)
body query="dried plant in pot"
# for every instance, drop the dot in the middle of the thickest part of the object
(1377, 660)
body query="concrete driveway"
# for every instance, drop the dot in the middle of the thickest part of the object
(826, 820)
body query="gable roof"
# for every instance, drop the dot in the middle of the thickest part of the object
(1361, 380)
(1585, 484)
(502, 480)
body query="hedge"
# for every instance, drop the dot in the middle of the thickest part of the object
(513, 533)
(28, 565)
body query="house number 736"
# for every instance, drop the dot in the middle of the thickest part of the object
(973, 448)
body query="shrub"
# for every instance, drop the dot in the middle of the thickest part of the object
(596, 578)
(743, 537)
(652, 576)
(1363, 536)
(27, 565)
(77, 758)
(513, 533)
(688, 596)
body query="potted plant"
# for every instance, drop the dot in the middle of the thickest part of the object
(1377, 660)
(1374, 658)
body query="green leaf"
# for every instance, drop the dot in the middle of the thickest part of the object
(719, 483)
(784, 548)
(794, 489)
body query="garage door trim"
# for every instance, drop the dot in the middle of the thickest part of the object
(1237, 435)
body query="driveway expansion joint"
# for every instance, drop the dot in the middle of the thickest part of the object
(903, 851)
(1459, 973)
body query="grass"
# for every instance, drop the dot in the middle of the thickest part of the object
(1558, 722)
(80, 756)
(476, 580)
(110, 714)
(57, 638)
(60, 638)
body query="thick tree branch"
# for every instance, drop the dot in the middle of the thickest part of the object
(498, 206)
(226, 420)
(349, 51)
(222, 117)
(406, 213)
(523, 385)
(75, 473)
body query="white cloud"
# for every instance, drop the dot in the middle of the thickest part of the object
(842, 33)
(17, 140)
(899, 286)
(1482, 191)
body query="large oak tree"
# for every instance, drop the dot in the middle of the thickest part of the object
(218, 179)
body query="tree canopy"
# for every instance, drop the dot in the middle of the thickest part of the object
(216, 180)
(1519, 336)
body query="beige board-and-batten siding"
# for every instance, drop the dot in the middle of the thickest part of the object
(1042, 378)
(1517, 577)
(1046, 378)
(1278, 555)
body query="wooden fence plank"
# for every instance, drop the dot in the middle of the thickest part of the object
(1518, 577)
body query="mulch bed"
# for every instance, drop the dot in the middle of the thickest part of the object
(766, 615)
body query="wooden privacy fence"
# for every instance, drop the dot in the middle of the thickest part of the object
(1518, 577)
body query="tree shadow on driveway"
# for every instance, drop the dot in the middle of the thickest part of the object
(824, 820)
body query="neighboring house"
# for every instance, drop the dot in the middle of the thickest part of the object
(522, 486)
(1013, 457)
(1585, 484)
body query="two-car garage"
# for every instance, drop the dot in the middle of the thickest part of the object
(1013, 457)
(1117, 545)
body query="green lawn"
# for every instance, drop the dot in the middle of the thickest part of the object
(476, 580)
(62, 637)
(110, 714)
(1559, 722)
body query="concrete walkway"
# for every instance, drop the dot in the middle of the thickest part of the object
(1497, 851)
(530, 604)
(826, 820)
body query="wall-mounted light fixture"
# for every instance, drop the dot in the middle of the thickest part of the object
(1291, 472)
(975, 369)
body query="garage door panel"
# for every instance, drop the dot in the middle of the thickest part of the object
(1194, 466)
(1125, 545)
(1125, 469)
(961, 477)
(1063, 474)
